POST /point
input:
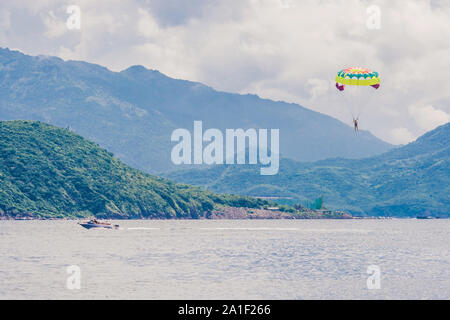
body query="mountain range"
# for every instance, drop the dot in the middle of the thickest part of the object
(133, 113)
(406, 181)
(49, 172)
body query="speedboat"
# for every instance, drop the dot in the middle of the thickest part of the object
(98, 224)
(424, 217)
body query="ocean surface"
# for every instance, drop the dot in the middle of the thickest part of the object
(226, 259)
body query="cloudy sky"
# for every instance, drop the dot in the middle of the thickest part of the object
(279, 49)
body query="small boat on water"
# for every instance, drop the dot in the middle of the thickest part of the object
(98, 224)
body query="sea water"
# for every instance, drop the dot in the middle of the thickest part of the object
(226, 259)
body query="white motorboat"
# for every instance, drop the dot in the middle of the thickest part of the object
(98, 224)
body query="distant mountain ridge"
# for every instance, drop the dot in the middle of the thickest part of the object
(132, 113)
(406, 181)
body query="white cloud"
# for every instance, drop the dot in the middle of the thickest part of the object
(5, 22)
(55, 27)
(318, 87)
(147, 24)
(401, 135)
(428, 117)
(279, 49)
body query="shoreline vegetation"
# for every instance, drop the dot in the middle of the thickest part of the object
(225, 213)
(48, 172)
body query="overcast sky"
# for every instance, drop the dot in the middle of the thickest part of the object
(279, 49)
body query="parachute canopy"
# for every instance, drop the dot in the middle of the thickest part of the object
(356, 76)
(356, 85)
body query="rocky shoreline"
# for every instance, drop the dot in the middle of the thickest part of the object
(230, 213)
(247, 213)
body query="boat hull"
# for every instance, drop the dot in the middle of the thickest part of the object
(94, 225)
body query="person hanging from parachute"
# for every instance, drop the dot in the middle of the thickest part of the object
(355, 123)
(354, 81)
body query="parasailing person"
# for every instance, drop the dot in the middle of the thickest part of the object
(354, 83)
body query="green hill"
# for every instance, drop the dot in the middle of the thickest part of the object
(49, 172)
(407, 181)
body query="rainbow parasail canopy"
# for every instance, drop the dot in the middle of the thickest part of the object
(356, 76)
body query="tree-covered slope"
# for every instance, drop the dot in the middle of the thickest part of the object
(407, 181)
(133, 113)
(49, 172)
